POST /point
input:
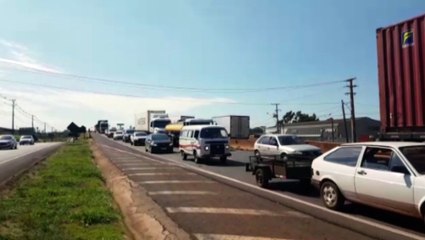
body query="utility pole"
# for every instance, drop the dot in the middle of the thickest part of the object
(345, 120)
(276, 115)
(13, 115)
(32, 121)
(44, 127)
(351, 87)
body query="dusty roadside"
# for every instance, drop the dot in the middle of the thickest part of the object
(143, 217)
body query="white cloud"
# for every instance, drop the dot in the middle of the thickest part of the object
(19, 56)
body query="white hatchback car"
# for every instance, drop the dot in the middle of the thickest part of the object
(386, 175)
(283, 144)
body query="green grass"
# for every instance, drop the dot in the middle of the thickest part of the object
(64, 199)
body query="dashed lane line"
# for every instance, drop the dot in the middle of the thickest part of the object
(175, 182)
(233, 211)
(159, 174)
(146, 168)
(182, 193)
(201, 236)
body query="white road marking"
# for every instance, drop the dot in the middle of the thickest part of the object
(235, 211)
(202, 236)
(146, 168)
(159, 174)
(356, 219)
(182, 193)
(175, 182)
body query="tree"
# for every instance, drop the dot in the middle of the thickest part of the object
(294, 117)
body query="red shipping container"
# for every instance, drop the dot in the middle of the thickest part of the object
(401, 73)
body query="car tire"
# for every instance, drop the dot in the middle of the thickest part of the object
(283, 157)
(184, 155)
(257, 155)
(196, 159)
(146, 149)
(262, 178)
(331, 196)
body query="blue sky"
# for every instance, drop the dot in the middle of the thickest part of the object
(199, 44)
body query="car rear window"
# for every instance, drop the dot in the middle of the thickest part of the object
(345, 156)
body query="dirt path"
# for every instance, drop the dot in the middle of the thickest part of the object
(143, 217)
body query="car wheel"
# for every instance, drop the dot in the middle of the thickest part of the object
(262, 178)
(331, 196)
(196, 158)
(257, 155)
(146, 149)
(223, 159)
(283, 157)
(184, 155)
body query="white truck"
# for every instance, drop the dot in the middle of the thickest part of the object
(152, 121)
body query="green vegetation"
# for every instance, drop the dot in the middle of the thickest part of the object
(65, 199)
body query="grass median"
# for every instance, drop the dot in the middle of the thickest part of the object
(65, 198)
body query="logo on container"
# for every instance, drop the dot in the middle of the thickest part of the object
(407, 38)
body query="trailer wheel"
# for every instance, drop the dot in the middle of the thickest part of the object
(262, 178)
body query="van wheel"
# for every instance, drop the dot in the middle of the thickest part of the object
(262, 178)
(184, 155)
(196, 158)
(331, 196)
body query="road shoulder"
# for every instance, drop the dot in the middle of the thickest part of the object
(143, 217)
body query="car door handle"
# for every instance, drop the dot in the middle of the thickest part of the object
(362, 172)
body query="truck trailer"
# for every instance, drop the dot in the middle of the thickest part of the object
(102, 126)
(401, 64)
(236, 126)
(152, 121)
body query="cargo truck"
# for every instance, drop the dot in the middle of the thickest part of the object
(102, 126)
(401, 64)
(152, 121)
(236, 126)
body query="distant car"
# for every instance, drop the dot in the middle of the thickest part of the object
(26, 139)
(283, 144)
(158, 142)
(118, 135)
(8, 142)
(138, 138)
(386, 175)
(110, 132)
(127, 134)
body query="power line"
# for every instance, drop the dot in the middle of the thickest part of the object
(180, 88)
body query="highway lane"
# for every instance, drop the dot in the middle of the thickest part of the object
(235, 169)
(14, 162)
(211, 209)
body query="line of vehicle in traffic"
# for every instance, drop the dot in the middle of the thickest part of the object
(8, 141)
(386, 175)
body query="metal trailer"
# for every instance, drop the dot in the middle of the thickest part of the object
(236, 126)
(265, 168)
(401, 63)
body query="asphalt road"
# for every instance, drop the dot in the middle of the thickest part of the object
(14, 162)
(369, 221)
